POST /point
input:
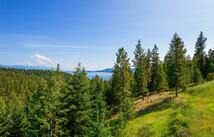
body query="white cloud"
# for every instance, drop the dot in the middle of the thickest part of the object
(42, 60)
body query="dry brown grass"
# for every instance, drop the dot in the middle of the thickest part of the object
(141, 104)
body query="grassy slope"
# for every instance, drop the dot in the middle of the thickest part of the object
(191, 114)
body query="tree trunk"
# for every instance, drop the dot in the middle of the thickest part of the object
(176, 90)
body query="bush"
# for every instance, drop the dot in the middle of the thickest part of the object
(178, 125)
(210, 76)
(184, 87)
(117, 126)
(146, 131)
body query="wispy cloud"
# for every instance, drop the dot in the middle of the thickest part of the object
(35, 41)
(30, 41)
(52, 45)
(42, 60)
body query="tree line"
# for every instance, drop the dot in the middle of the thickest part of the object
(51, 103)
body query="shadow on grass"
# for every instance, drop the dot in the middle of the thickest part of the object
(164, 104)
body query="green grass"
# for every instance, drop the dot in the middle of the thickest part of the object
(189, 115)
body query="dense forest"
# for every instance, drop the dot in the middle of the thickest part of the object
(40, 103)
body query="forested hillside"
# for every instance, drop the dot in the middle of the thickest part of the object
(52, 103)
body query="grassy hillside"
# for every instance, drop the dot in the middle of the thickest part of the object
(190, 115)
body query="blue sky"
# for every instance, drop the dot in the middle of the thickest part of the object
(46, 32)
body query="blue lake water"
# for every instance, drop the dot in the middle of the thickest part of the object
(103, 75)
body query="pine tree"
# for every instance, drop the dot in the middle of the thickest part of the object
(210, 61)
(121, 89)
(197, 77)
(148, 68)
(158, 79)
(56, 84)
(37, 110)
(210, 65)
(99, 111)
(76, 106)
(3, 114)
(121, 83)
(190, 69)
(140, 79)
(162, 84)
(200, 55)
(108, 94)
(176, 64)
(154, 69)
(13, 121)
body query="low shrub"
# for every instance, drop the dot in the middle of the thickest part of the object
(178, 125)
(146, 131)
(210, 76)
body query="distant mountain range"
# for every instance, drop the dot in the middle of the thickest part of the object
(26, 67)
(107, 70)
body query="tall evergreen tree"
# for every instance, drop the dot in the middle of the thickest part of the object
(154, 69)
(121, 83)
(99, 111)
(200, 55)
(109, 95)
(140, 78)
(13, 121)
(56, 84)
(176, 63)
(158, 80)
(210, 61)
(37, 111)
(197, 76)
(121, 89)
(148, 68)
(210, 65)
(76, 106)
(190, 67)
(162, 83)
